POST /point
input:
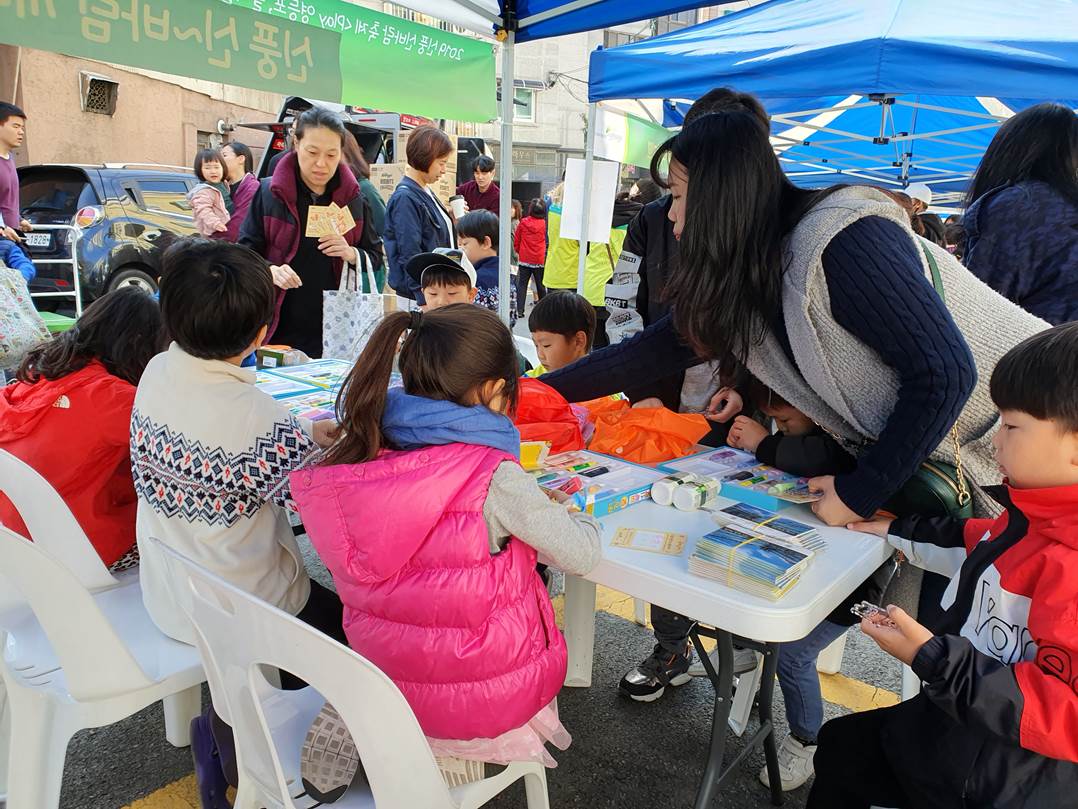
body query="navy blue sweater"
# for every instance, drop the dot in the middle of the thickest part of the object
(1022, 240)
(880, 295)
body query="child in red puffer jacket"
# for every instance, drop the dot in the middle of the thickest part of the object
(68, 415)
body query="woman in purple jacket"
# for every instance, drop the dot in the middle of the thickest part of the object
(243, 184)
(303, 266)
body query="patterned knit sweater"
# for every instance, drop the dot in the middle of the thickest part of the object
(210, 456)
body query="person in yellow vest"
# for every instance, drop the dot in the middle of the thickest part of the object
(562, 257)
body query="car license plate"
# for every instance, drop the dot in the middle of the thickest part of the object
(38, 239)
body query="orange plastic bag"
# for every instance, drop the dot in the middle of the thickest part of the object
(604, 404)
(544, 415)
(647, 435)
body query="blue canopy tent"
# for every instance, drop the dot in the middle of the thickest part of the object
(886, 92)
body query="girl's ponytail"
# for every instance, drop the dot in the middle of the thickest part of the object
(362, 399)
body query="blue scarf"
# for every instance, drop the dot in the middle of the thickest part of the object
(412, 422)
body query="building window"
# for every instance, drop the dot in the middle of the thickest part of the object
(675, 22)
(98, 93)
(524, 105)
(612, 39)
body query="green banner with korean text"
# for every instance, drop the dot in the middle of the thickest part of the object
(283, 46)
(393, 64)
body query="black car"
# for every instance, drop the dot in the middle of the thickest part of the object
(126, 214)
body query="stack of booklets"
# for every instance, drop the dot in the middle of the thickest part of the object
(769, 524)
(763, 566)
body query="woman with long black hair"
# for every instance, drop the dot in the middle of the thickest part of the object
(825, 297)
(68, 415)
(1022, 220)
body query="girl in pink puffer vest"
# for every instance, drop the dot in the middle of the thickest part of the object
(211, 202)
(431, 529)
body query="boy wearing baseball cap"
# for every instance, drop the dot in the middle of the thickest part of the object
(445, 276)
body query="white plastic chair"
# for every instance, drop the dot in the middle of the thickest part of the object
(239, 635)
(526, 346)
(77, 660)
(51, 523)
(55, 530)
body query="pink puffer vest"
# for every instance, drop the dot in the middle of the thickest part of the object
(469, 638)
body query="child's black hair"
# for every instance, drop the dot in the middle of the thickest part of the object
(563, 312)
(210, 156)
(215, 297)
(442, 276)
(1039, 376)
(121, 330)
(537, 209)
(479, 225)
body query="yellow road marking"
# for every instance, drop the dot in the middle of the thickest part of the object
(837, 689)
(182, 794)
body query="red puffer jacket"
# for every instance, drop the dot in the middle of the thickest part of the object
(530, 240)
(76, 432)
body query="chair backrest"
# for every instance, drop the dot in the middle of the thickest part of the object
(526, 347)
(96, 662)
(242, 634)
(50, 522)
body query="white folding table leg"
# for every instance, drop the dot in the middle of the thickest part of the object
(180, 709)
(911, 683)
(640, 611)
(579, 630)
(829, 660)
(5, 741)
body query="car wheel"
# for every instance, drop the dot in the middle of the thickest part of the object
(133, 278)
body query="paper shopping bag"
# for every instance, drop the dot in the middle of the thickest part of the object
(350, 316)
(21, 327)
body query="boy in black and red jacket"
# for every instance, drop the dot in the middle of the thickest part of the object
(996, 724)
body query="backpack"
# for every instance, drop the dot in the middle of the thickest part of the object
(21, 328)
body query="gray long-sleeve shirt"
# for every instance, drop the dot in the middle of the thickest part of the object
(516, 506)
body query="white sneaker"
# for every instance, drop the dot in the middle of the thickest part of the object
(744, 660)
(795, 764)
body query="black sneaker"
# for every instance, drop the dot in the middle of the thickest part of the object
(648, 681)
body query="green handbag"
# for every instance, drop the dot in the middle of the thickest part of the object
(937, 489)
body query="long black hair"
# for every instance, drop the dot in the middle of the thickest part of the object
(122, 330)
(740, 206)
(1039, 143)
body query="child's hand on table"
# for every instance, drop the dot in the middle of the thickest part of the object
(562, 498)
(746, 434)
(324, 432)
(903, 640)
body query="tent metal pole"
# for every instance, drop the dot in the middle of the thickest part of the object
(505, 205)
(589, 166)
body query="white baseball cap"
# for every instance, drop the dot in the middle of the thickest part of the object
(920, 191)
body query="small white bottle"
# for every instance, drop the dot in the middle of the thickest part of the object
(662, 491)
(696, 494)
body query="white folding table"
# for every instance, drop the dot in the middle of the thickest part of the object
(833, 574)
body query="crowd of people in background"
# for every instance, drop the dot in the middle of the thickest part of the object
(876, 336)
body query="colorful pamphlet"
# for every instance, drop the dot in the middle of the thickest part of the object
(645, 539)
(280, 387)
